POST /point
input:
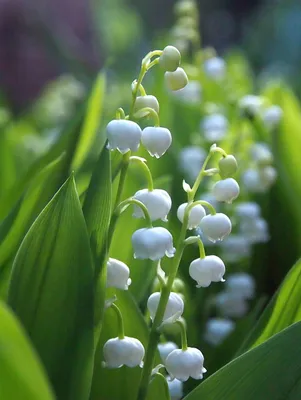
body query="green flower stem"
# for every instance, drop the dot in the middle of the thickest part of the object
(142, 90)
(154, 62)
(138, 203)
(165, 292)
(148, 111)
(215, 149)
(201, 248)
(137, 88)
(192, 192)
(120, 114)
(120, 321)
(204, 203)
(183, 335)
(146, 170)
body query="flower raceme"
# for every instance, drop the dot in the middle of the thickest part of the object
(182, 364)
(174, 308)
(152, 243)
(157, 202)
(123, 351)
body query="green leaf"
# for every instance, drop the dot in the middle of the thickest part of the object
(269, 371)
(158, 388)
(21, 374)
(51, 292)
(283, 310)
(91, 121)
(97, 212)
(121, 383)
(42, 188)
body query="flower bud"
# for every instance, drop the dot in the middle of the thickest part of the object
(206, 270)
(152, 243)
(191, 159)
(226, 190)
(196, 214)
(182, 364)
(215, 127)
(147, 101)
(157, 202)
(174, 308)
(217, 329)
(216, 227)
(261, 153)
(272, 116)
(118, 274)
(176, 80)
(231, 305)
(175, 388)
(227, 166)
(215, 68)
(165, 349)
(241, 284)
(123, 135)
(248, 210)
(156, 140)
(170, 58)
(127, 351)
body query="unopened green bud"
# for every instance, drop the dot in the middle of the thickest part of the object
(170, 58)
(227, 166)
(147, 101)
(176, 80)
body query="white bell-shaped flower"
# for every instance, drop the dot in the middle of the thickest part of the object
(215, 68)
(196, 214)
(226, 190)
(231, 305)
(241, 284)
(175, 388)
(147, 101)
(123, 135)
(217, 329)
(156, 140)
(215, 127)
(165, 349)
(251, 104)
(157, 202)
(152, 243)
(216, 227)
(235, 248)
(261, 153)
(255, 231)
(206, 270)
(118, 274)
(271, 116)
(127, 351)
(174, 308)
(182, 364)
(248, 210)
(176, 80)
(170, 58)
(191, 159)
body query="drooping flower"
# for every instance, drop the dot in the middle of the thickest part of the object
(176, 80)
(118, 274)
(170, 58)
(157, 202)
(182, 364)
(196, 214)
(206, 270)
(215, 68)
(173, 310)
(217, 329)
(156, 140)
(123, 135)
(165, 349)
(216, 227)
(241, 284)
(226, 190)
(152, 243)
(127, 351)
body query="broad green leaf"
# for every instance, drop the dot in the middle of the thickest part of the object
(66, 143)
(42, 188)
(283, 310)
(92, 120)
(158, 389)
(269, 371)
(21, 374)
(97, 212)
(7, 164)
(122, 383)
(51, 292)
